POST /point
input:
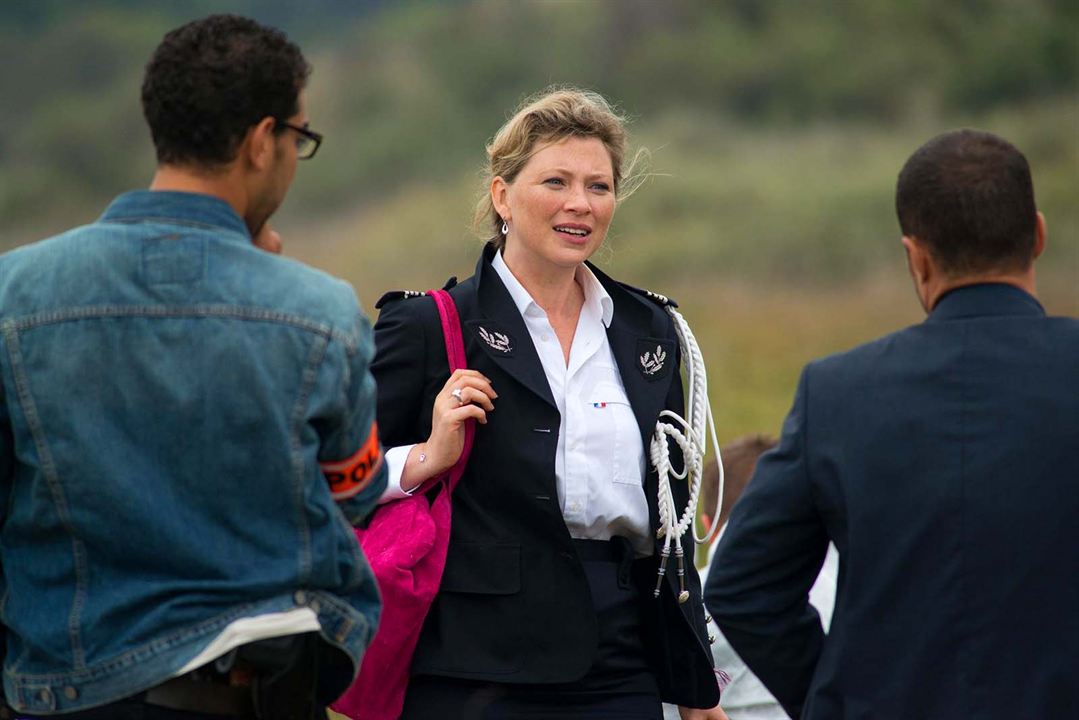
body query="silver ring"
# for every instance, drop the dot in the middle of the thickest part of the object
(457, 396)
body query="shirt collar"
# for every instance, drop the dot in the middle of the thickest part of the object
(595, 295)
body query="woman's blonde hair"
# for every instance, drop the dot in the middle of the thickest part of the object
(549, 116)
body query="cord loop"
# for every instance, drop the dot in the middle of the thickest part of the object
(690, 434)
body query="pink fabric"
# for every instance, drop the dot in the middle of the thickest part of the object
(406, 545)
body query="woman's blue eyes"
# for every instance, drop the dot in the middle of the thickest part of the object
(603, 187)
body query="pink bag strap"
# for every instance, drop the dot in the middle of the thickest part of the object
(455, 355)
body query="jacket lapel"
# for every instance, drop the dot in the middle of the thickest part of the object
(501, 333)
(646, 363)
(646, 378)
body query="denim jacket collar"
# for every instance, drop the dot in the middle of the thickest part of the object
(183, 207)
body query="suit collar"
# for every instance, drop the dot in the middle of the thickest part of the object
(985, 300)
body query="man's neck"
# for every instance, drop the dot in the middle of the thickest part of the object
(220, 184)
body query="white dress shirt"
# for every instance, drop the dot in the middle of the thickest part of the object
(599, 461)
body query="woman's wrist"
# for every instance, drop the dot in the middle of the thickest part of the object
(420, 467)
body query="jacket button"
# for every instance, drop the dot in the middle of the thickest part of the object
(70, 692)
(300, 597)
(46, 699)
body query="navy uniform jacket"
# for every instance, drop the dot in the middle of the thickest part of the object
(943, 461)
(514, 604)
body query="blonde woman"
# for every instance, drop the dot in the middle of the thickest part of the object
(546, 608)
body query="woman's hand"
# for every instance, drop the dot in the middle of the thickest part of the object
(467, 394)
(715, 713)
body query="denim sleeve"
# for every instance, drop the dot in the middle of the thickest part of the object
(350, 454)
(770, 554)
(7, 470)
(7, 453)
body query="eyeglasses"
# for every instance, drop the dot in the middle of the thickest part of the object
(307, 143)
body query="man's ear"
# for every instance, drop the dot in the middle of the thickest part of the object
(1040, 234)
(918, 258)
(258, 146)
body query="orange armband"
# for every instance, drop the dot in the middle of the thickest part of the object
(350, 476)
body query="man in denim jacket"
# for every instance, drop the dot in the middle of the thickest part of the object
(187, 424)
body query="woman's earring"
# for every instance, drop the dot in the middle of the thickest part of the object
(505, 227)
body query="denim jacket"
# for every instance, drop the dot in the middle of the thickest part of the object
(186, 437)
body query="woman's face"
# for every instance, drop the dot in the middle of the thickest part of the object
(560, 205)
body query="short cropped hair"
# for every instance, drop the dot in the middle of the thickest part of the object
(211, 80)
(968, 195)
(547, 117)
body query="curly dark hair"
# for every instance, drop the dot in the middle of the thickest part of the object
(211, 80)
(968, 195)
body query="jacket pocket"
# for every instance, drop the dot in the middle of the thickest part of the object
(482, 568)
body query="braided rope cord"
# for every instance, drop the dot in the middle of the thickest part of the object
(690, 434)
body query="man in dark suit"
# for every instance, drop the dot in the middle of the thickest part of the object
(943, 462)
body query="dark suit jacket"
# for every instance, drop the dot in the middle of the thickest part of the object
(514, 604)
(943, 461)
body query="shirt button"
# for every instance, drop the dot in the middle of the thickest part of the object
(575, 507)
(315, 607)
(300, 597)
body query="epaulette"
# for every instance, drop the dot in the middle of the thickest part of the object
(397, 295)
(401, 294)
(662, 300)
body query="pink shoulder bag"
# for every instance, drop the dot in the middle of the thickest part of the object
(406, 545)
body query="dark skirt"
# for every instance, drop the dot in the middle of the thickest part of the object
(618, 686)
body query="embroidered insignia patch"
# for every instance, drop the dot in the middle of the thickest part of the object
(652, 362)
(493, 338)
(498, 341)
(655, 358)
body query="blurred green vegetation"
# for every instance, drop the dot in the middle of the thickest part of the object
(776, 132)
(780, 247)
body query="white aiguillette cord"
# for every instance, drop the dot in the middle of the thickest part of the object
(691, 438)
